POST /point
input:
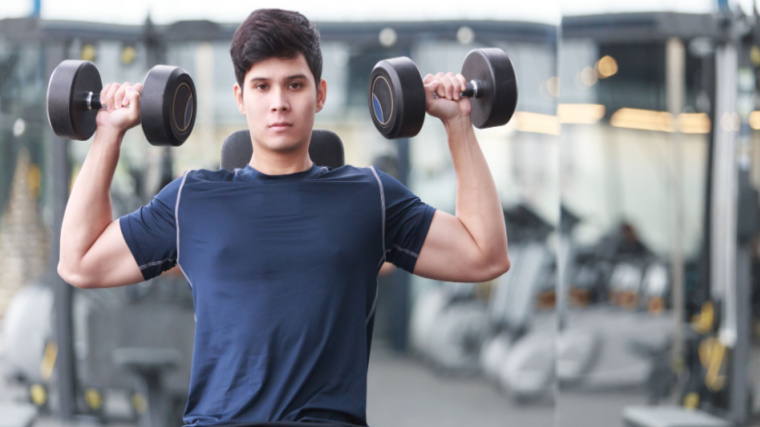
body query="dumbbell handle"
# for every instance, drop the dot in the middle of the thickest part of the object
(473, 89)
(93, 101)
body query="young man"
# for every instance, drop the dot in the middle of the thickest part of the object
(282, 256)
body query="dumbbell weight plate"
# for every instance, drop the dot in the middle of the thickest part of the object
(397, 98)
(167, 105)
(497, 96)
(69, 85)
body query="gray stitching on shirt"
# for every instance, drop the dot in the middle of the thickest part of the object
(151, 264)
(382, 204)
(176, 223)
(382, 241)
(404, 250)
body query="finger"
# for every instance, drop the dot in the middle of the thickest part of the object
(133, 96)
(452, 86)
(432, 85)
(462, 83)
(125, 101)
(119, 97)
(103, 95)
(112, 88)
(430, 88)
(428, 78)
(446, 91)
(441, 89)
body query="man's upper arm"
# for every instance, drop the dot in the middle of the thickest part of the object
(108, 263)
(137, 246)
(450, 253)
(428, 242)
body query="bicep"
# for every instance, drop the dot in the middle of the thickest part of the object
(449, 252)
(109, 262)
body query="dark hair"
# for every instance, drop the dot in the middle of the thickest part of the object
(275, 33)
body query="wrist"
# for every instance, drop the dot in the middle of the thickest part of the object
(109, 135)
(458, 125)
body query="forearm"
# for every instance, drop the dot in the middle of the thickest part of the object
(88, 211)
(478, 206)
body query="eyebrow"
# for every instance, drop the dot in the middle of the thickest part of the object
(264, 79)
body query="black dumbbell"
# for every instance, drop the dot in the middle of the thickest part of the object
(397, 93)
(167, 103)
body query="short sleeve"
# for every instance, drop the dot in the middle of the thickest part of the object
(150, 232)
(407, 221)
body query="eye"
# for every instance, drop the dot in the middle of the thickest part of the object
(296, 85)
(261, 86)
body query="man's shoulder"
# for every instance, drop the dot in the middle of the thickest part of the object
(194, 176)
(351, 172)
(208, 175)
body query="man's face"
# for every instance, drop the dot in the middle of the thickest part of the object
(279, 100)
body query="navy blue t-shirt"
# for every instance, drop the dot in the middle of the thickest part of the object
(283, 270)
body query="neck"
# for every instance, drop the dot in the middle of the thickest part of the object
(278, 163)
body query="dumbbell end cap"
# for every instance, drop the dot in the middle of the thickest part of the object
(168, 106)
(69, 85)
(397, 98)
(497, 90)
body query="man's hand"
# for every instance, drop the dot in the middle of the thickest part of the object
(121, 110)
(444, 99)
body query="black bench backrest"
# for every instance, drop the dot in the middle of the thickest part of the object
(325, 149)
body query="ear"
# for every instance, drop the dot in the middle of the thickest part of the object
(321, 94)
(238, 91)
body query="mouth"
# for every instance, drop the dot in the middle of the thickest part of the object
(280, 125)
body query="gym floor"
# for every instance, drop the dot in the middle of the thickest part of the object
(404, 392)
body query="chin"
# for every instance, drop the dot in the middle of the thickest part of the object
(287, 146)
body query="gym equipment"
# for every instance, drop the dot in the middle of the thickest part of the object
(457, 332)
(528, 369)
(424, 317)
(150, 366)
(626, 284)
(663, 416)
(167, 103)
(600, 347)
(160, 333)
(397, 93)
(603, 348)
(325, 149)
(18, 414)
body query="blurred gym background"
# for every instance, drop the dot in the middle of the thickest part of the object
(628, 176)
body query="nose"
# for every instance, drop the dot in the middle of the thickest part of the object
(279, 100)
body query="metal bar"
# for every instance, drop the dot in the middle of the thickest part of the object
(358, 33)
(65, 370)
(740, 356)
(705, 260)
(675, 71)
(723, 209)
